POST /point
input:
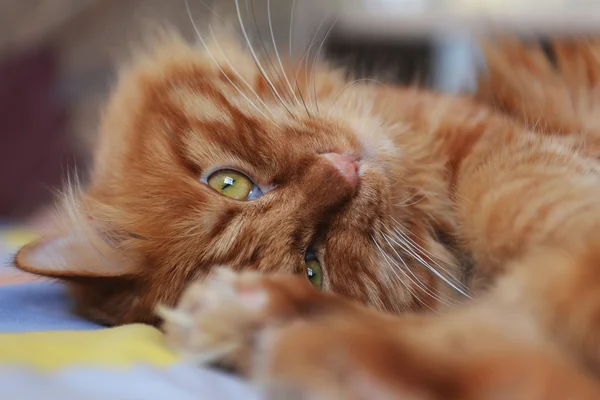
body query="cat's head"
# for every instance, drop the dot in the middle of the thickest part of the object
(202, 160)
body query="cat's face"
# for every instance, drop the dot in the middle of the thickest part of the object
(195, 169)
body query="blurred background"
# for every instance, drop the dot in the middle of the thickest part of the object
(58, 58)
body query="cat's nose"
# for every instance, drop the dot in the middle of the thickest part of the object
(347, 165)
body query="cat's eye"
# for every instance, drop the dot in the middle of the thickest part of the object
(233, 184)
(314, 272)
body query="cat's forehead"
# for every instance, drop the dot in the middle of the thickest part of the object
(215, 123)
(215, 109)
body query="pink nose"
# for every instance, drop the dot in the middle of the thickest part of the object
(347, 165)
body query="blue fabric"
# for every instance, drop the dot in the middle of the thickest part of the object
(141, 382)
(35, 306)
(46, 306)
(38, 306)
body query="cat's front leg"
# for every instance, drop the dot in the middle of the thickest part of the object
(233, 318)
(296, 342)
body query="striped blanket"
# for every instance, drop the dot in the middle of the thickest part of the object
(48, 353)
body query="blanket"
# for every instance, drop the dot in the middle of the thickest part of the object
(46, 352)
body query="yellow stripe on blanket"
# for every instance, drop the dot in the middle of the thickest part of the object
(113, 347)
(17, 237)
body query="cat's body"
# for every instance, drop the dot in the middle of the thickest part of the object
(449, 200)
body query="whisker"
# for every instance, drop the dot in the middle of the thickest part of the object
(291, 30)
(416, 279)
(304, 57)
(423, 250)
(187, 6)
(306, 60)
(404, 203)
(292, 58)
(406, 247)
(223, 54)
(386, 257)
(266, 53)
(347, 86)
(312, 72)
(393, 268)
(405, 243)
(277, 52)
(237, 73)
(448, 302)
(256, 60)
(211, 10)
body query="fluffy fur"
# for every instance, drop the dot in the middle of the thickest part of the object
(456, 200)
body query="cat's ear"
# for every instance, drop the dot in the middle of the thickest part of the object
(73, 255)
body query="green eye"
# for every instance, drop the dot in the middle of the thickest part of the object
(232, 184)
(314, 272)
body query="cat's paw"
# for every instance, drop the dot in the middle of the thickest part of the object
(227, 317)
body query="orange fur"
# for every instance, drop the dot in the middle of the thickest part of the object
(454, 197)
(175, 114)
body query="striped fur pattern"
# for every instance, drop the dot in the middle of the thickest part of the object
(492, 198)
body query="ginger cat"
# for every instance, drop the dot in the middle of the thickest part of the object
(441, 248)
